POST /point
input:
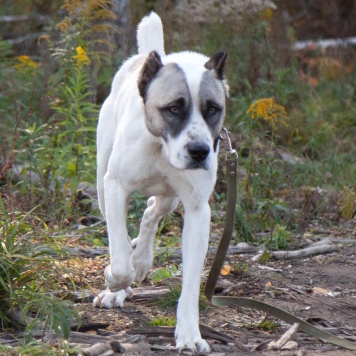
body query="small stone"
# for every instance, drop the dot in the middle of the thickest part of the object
(290, 345)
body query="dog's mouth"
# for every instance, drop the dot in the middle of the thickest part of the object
(192, 166)
(197, 165)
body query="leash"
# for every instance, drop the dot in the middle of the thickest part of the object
(219, 259)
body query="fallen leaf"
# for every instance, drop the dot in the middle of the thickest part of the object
(319, 290)
(225, 270)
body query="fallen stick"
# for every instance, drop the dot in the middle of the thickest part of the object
(206, 332)
(139, 348)
(316, 250)
(97, 349)
(284, 339)
(332, 240)
(148, 294)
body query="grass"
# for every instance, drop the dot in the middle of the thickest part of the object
(163, 321)
(170, 299)
(32, 349)
(25, 276)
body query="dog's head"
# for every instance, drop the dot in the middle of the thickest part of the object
(185, 106)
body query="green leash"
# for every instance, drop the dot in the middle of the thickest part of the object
(234, 302)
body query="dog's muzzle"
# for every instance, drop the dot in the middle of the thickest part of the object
(198, 153)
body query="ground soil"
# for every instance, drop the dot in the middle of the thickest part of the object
(320, 289)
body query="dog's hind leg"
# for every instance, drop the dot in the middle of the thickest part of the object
(142, 255)
(105, 142)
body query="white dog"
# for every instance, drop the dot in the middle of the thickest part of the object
(158, 134)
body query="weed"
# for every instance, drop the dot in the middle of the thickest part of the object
(40, 349)
(244, 231)
(137, 206)
(167, 244)
(239, 268)
(268, 110)
(58, 147)
(163, 321)
(278, 240)
(170, 299)
(347, 203)
(24, 273)
(270, 212)
(163, 273)
(268, 325)
(258, 209)
(51, 313)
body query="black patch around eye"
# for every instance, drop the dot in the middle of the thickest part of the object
(176, 109)
(211, 112)
(175, 116)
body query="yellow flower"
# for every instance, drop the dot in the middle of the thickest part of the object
(81, 56)
(266, 13)
(267, 109)
(25, 63)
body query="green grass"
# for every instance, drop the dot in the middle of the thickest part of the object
(26, 271)
(170, 299)
(163, 321)
(40, 349)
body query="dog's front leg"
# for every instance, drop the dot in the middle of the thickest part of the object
(120, 273)
(195, 240)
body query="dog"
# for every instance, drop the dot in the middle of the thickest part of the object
(158, 133)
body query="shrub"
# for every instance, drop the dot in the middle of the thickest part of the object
(25, 274)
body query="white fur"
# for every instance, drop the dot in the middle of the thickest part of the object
(150, 35)
(130, 158)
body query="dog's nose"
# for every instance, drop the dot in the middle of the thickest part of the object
(198, 151)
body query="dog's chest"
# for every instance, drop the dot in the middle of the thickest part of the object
(156, 185)
(148, 172)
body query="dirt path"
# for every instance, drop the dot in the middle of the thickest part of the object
(320, 289)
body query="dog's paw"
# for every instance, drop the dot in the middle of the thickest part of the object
(196, 346)
(109, 300)
(118, 279)
(190, 339)
(142, 259)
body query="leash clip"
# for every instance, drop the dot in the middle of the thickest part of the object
(231, 156)
(225, 137)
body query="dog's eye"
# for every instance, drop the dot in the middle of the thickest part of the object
(212, 110)
(174, 110)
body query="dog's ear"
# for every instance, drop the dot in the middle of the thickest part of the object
(152, 65)
(217, 62)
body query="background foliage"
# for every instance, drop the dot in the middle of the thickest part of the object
(56, 65)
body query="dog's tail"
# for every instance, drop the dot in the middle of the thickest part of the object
(150, 35)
